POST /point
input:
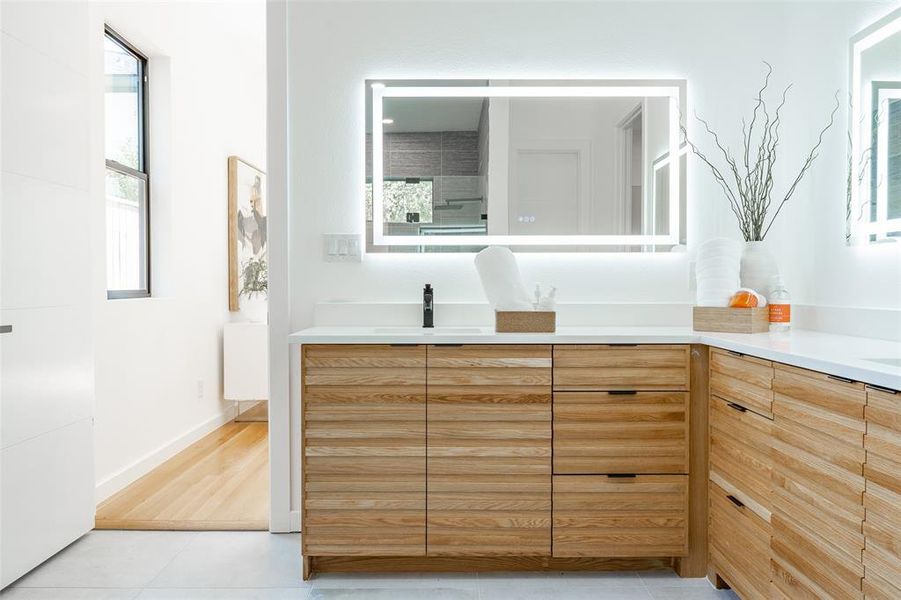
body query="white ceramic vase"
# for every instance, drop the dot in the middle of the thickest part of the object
(255, 308)
(758, 268)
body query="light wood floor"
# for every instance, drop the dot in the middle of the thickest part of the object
(220, 482)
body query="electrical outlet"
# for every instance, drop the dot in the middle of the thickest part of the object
(200, 389)
(342, 247)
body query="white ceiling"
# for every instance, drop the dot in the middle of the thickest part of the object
(432, 114)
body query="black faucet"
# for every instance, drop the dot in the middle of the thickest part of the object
(428, 306)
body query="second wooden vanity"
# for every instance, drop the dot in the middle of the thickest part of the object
(778, 481)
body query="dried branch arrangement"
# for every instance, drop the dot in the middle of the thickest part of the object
(749, 177)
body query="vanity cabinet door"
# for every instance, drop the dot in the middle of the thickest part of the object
(610, 516)
(818, 485)
(743, 380)
(621, 367)
(364, 450)
(489, 450)
(739, 544)
(882, 499)
(598, 433)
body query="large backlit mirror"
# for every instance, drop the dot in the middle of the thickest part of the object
(874, 178)
(453, 166)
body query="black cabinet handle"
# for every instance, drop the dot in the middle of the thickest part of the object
(878, 388)
(842, 379)
(735, 501)
(622, 475)
(734, 353)
(737, 407)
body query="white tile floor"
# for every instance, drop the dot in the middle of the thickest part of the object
(163, 565)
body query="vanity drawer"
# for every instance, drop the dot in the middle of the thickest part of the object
(818, 485)
(739, 545)
(882, 498)
(621, 367)
(740, 462)
(742, 380)
(603, 516)
(364, 450)
(616, 432)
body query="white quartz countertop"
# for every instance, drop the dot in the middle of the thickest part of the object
(872, 361)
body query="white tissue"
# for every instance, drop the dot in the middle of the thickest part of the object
(501, 279)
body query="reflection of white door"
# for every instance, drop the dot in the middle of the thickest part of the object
(549, 186)
(46, 359)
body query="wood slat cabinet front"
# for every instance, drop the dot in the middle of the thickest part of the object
(620, 432)
(746, 381)
(489, 450)
(818, 484)
(882, 498)
(739, 545)
(638, 516)
(364, 450)
(648, 367)
(740, 462)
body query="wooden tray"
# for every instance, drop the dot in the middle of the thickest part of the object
(731, 320)
(527, 321)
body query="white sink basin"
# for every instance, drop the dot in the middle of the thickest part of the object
(426, 331)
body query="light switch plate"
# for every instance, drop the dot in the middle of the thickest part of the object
(342, 247)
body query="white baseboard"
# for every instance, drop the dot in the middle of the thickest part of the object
(112, 484)
(295, 521)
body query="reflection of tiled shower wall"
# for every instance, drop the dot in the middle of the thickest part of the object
(450, 158)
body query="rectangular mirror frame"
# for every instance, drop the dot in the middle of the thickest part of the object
(381, 91)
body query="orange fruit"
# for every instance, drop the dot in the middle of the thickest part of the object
(743, 299)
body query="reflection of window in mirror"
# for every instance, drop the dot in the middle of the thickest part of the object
(405, 200)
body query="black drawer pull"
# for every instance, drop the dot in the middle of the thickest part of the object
(735, 501)
(622, 475)
(737, 407)
(842, 379)
(402, 345)
(734, 353)
(622, 392)
(884, 390)
(448, 345)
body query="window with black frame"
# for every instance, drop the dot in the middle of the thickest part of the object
(127, 184)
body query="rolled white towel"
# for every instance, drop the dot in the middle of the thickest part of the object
(717, 271)
(502, 280)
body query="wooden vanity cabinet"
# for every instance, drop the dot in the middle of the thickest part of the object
(739, 544)
(621, 432)
(364, 450)
(742, 380)
(489, 450)
(818, 485)
(739, 498)
(621, 450)
(882, 498)
(617, 516)
(629, 367)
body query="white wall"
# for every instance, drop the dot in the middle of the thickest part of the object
(717, 47)
(208, 101)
